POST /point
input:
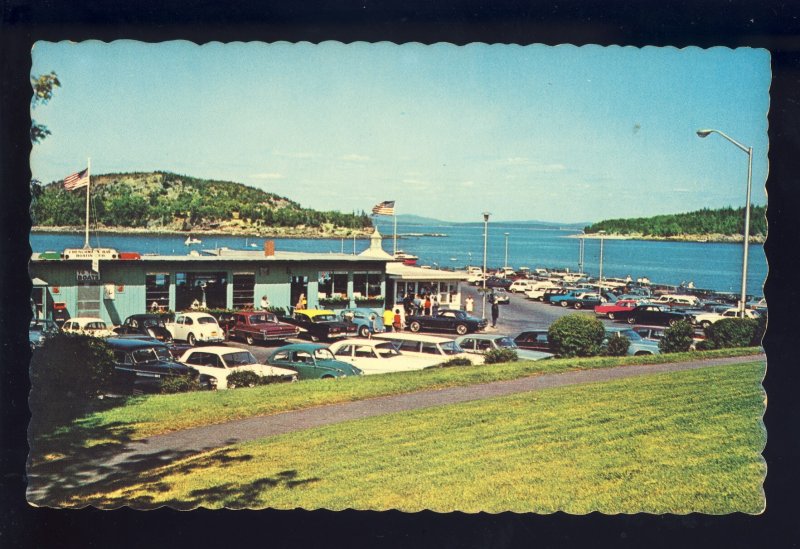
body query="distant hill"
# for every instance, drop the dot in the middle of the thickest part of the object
(171, 202)
(723, 222)
(412, 219)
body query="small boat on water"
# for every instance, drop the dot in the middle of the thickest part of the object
(190, 240)
(408, 259)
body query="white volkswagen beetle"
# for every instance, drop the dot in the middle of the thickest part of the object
(87, 325)
(194, 327)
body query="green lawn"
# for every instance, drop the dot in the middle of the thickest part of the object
(150, 415)
(680, 442)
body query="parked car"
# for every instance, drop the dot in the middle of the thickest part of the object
(321, 324)
(656, 314)
(497, 282)
(194, 328)
(259, 326)
(219, 362)
(706, 319)
(520, 285)
(638, 345)
(500, 296)
(446, 320)
(653, 333)
(552, 292)
(570, 298)
(482, 343)
(141, 365)
(427, 345)
(612, 310)
(40, 331)
(677, 300)
(366, 320)
(535, 340)
(145, 324)
(374, 356)
(87, 325)
(538, 292)
(311, 361)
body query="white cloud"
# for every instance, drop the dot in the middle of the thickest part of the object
(355, 158)
(270, 175)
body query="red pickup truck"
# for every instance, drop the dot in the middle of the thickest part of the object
(252, 326)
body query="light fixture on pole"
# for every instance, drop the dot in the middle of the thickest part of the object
(485, 241)
(600, 280)
(746, 243)
(580, 252)
(505, 263)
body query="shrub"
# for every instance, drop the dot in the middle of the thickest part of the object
(704, 345)
(66, 374)
(732, 332)
(677, 338)
(180, 384)
(618, 346)
(761, 329)
(458, 361)
(576, 335)
(496, 356)
(246, 378)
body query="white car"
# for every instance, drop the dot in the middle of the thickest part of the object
(88, 325)
(537, 292)
(500, 295)
(427, 346)
(219, 362)
(194, 327)
(374, 356)
(520, 286)
(705, 320)
(482, 343)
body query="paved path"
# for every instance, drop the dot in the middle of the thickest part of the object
(162, 449)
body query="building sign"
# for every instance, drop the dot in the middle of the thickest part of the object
(87, 276)
(91, 253)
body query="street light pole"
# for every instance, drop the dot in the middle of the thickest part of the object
(600, 281)
(505, 263)
(580, 252)
(485, 242)
(746, 244)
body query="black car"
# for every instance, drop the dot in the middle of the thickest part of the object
(497, 282)
(448, 320)
(535, 340)
(145, 324)
(656, 314)
(321, 324)
(141, 365)
(39, 331)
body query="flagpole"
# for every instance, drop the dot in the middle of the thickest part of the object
(88, 184)
(394, 215)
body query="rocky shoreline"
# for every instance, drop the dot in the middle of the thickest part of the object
(700, 238)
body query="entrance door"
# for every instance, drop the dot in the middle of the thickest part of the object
(298, 285)
(89, 301)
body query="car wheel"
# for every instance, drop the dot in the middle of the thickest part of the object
(249, 339)
(540, 299)
(363, 331)
(414, 326)
(578, 305)
(631, 320)
(191, 340)
(328, 377)
(611, 316)
(461, 329)
(564, 303)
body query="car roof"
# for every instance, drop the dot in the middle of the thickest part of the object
(217, 349)
(195, 314)
(315, 312)
(359, 341)
(144, 315)
(133, 344)
(86, 319)
(300, 347)
(412, 337)
(482, 336)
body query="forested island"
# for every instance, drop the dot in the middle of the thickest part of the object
(167, 202)
(719, 225)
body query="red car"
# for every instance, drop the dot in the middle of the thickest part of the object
(617, 309)
(253, 326)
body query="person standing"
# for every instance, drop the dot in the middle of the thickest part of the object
(264, 302)
(417, 304)
(427, 305)
(388, 319)
(469, 304)
(435, 306)
(397, 322)
(301, 303)
(495, 312)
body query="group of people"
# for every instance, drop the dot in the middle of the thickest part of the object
(416, 304)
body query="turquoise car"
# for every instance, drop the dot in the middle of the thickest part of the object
(366, 320)
(311, 361)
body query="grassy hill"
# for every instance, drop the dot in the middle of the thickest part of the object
(719, 224)
(170, 202)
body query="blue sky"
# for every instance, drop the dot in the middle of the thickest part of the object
(547, 133)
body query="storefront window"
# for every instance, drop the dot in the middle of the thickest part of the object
(243, 290)
(332, 285)
(207, 290)
(157, 291)
(367, 285)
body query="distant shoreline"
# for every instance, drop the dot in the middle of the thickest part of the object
(277, 233)
(699, 238)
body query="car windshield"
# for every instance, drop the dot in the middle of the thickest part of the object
(239, 359)
(451, 348)
(206, 320)
(96, 326)
(386, 350)
(323, 354)
(151, 322)
(630, 334)
(505, 342)
(324, 318)
(150, 354)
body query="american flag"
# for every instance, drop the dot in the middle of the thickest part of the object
(76, 180)
(384, 208)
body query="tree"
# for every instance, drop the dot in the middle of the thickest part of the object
(43, 87)
(576, 335)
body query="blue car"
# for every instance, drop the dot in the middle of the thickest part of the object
(366, 320)
(639, 345)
